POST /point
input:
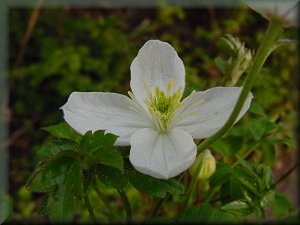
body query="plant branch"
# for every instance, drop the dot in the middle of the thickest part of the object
(30, 26)
(287, 173)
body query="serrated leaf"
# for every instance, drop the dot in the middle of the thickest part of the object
(60, 206)
(62, 199)
(98, 139)
(200, 214)
(111, 177)
(238, 207)
(249, 185)
(56, 145)
(98, 148)
(267, 199)
(63, 130)
(6, 207)
(152, 186)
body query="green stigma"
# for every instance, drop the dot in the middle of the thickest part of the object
(162, 106)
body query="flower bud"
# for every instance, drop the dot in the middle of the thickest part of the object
(207, 164)
(240, 60)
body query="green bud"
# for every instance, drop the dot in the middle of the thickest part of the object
(205, 163)
(240, 60)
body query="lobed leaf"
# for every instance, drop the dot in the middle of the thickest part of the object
(111, 176)
(63, 130)
(152, 186)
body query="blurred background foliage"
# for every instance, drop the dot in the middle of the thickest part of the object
(91, 50)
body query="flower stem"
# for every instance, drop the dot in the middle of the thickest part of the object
(89, 207)
(273, 32)
(158, 203)
(102, 197)
(126, 206)
(190, 189)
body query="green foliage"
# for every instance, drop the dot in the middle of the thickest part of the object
(282, 206)
(63, 175)
(201, 214)
(91, 50)
(152, 186)
(63, 130)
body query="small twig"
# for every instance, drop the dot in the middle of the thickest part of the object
(287, 173)
(30, 26)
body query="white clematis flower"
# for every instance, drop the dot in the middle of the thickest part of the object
(159, 127)
(282, 11)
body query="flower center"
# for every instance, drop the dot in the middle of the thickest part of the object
(162, 106)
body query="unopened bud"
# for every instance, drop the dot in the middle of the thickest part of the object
(240, 60)
(205, 163)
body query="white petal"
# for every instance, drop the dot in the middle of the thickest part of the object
(284, 10)
(156, 64)
(162, 155)
(204, 113)
(112, 112)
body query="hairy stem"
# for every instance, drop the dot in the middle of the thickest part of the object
(273, 32)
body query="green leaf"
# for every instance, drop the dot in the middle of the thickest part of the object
(201, 214)
(267, 199)
(6, 207)
(152, 186)
(249, 185)
(281, 205)
(269, 154)
(111, 177)
(221, 174)
(222, 65)
(62, 199)
(231, 189)
(257, 109)
(63, 130)
(98, 148)
(220, 216)
(56, 145)
(289, 142)
(259, 127)
(238, 207)
(60, 205)
(94, 141)
(228, 146)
